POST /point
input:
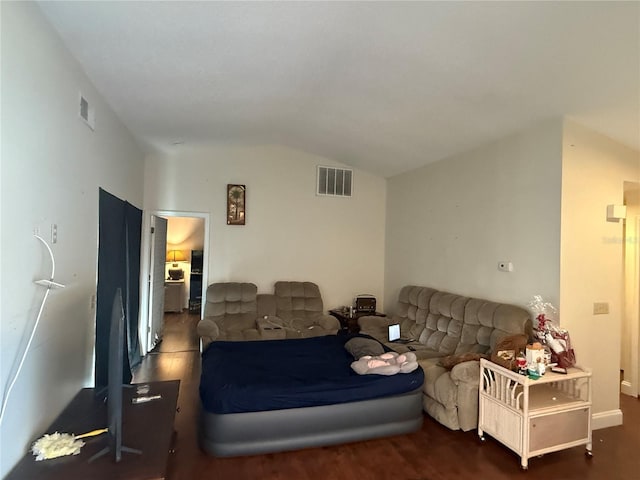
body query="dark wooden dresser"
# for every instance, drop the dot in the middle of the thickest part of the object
(145, 426)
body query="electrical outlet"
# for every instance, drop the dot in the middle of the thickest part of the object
(600, 308)
(54, 233)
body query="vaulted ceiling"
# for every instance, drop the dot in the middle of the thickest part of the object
(382, 86)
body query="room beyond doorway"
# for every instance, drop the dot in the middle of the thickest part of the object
(187, 233)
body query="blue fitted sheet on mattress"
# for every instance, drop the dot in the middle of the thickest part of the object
(278, 374)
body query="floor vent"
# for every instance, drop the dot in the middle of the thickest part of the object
(334, 182)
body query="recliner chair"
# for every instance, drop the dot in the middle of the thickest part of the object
(230, 313)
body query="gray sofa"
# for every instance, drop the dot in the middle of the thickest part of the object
(237, 312)
(448, 329)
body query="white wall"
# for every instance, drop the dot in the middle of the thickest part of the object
(290, 233)
(52, 165)
(451, 222)
(594, 169)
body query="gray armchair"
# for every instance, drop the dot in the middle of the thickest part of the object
(230, 313)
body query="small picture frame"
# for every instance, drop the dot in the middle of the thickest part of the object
(236, 204)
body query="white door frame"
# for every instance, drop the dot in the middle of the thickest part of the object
(145, 313)
(630, 384)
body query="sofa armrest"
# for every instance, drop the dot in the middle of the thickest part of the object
(208, 331)
(466, 372)
(466, 376)
(329, 322)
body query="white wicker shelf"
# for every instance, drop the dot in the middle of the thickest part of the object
(534, 417)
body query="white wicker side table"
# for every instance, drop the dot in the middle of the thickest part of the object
(534, 417)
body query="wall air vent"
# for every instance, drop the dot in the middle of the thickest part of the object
(87, 114)
(334, 182)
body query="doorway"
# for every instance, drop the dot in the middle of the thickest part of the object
(187, 234)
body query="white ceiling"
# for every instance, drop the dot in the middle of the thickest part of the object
(385, 87)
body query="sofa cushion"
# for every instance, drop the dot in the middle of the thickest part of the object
(444, 322)
(409, 328)
(413, 303)
(485, 323)
(240, 335)
(232, 306)
(297, 299)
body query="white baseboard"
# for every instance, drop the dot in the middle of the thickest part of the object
(612, 418)
(627, 389)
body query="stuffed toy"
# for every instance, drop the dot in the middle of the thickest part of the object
(388, 363)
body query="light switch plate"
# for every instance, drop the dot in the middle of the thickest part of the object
(600, 308)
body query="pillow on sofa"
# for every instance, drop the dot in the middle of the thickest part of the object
(360, 347)
(453, 360)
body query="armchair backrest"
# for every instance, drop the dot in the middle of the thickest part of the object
(232, 305)
(297, 300)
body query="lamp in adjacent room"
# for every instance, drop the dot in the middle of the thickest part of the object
(176, 256)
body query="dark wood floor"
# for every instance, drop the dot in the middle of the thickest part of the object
(433, 453)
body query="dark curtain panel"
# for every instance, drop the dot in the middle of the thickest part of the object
(134, 239)
(120, 226)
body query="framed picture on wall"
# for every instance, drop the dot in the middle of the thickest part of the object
(236, 204)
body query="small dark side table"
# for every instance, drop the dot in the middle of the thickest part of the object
(145, 426)
(349, 324)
